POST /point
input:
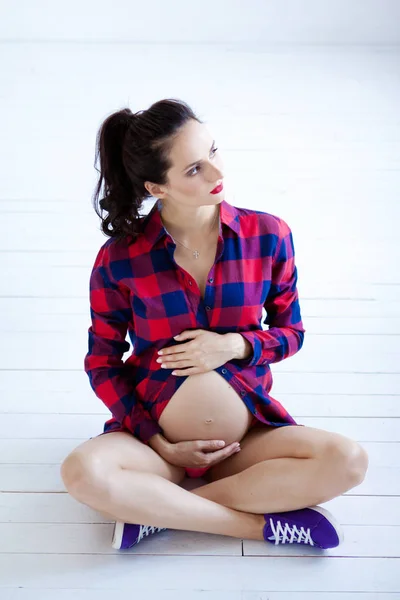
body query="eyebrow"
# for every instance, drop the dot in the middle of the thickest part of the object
(197, 161)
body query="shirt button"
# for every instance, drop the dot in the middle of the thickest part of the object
(211, 280)
(190, 283)
(223, 371)
(242, 393)
(208, 308)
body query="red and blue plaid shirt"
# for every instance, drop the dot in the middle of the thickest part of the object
(137, 288)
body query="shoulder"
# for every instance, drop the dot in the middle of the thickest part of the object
(259, 222)
(104, 254)
(114, 250)
(112, 262)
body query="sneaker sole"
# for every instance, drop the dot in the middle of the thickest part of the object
(329, 517)
(117, 535)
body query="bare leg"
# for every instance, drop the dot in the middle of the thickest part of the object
(282, 484)
(148, 499)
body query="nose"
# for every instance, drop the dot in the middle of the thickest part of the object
(220, 176)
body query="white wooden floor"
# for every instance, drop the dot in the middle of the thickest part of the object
(309, 134)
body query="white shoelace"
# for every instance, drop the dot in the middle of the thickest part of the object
(148, 530)
(289, 535)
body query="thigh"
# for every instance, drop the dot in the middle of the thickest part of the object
(120, 449)
(291, 441)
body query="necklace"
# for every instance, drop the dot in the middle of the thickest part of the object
(195, 253)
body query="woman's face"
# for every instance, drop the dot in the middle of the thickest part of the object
(191, 184)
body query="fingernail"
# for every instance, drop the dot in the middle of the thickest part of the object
(238, 449)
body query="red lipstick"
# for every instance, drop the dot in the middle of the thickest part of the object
(218, 189)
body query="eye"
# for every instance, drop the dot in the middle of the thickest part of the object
(191, 170)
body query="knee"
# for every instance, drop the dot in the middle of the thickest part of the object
(81, 474)
(352, 460)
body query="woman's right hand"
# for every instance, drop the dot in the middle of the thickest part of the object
(198, 453)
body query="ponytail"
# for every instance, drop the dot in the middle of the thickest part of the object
(132, 149)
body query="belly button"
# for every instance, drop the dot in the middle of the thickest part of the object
(208, 420)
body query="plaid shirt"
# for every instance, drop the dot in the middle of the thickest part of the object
(137, 288)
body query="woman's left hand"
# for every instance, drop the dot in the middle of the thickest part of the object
(207, 351)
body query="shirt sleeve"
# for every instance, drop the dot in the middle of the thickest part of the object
(285, 335)
(111, 312)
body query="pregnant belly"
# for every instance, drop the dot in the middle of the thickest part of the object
(205, 407)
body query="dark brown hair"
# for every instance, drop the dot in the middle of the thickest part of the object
(134, 148)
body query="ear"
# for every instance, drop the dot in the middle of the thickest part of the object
(153, 189)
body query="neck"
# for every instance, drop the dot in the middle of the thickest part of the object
(190, 224)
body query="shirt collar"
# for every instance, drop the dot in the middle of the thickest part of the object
(153, 228)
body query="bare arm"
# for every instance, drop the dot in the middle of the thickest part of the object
(160, 444)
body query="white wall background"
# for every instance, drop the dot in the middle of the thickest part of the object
(208, 21)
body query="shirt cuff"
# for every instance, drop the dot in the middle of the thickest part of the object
(256, 346)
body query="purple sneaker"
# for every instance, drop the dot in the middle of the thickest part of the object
(127, 535)
(313, 526)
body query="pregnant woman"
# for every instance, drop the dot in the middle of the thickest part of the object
(188, 282)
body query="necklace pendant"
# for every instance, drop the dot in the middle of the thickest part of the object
(196, 254)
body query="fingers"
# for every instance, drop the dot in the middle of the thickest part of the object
(218, 455)
(209, 455)
(215, 446)
(210, 445)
